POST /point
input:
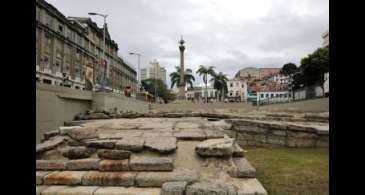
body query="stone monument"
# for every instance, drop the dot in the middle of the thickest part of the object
(182, 71)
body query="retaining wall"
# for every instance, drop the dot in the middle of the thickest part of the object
(272, 133)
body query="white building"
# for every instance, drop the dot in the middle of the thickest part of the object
(154, 71)
(280, 79)
(197, 94)
(237, 90)
(326, 38)
(326, 84)
(273, 96)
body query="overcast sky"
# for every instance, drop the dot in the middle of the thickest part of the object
(227, 34)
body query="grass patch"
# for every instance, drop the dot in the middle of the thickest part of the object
(291, 171)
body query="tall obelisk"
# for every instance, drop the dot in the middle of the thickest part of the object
(182, 71)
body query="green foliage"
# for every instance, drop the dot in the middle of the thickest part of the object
(175, 77)
(314, 66)
(161, 89)
(289, 69)
(220, 83)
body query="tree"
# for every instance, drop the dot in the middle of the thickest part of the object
(175, 77)
(220, 83)
(314, 66)
(205, 72)
(289, 69)
(161, 89)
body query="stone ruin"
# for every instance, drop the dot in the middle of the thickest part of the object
(157, 153)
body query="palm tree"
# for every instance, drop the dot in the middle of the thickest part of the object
(205, 72)
(188, 77)
(220, 83)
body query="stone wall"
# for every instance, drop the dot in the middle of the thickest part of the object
(107, 101)
(273, 133)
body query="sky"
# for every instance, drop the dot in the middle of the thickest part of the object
(227, 34)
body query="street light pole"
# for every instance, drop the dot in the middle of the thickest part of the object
(104, 60)
(139, 71)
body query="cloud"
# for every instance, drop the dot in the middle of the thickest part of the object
(229, 35)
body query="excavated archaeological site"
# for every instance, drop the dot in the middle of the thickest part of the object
(166, 153)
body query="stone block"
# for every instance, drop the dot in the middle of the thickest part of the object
(250, 187)
(238, 151)
(161, 144)
(213, 133)
(97, 178)
(279, 132)
(50, 165)
(74, 190)
(157, 179)
(106, 144)
(49, 144)
(173, 188)
(127, 191)
(151, 164)
(245, 136)
(50, 134)
(114, 165)
(301, 134)
(39, 176)
(242, 169)
(39, 189)
(134, 144)
(83, 133)
(215, 147)
(83, 164)
(66, 129)
(78, 152)
(49, 190)
(196, 134)
(113, 154)
(64, 178)
(276, 140)
(207, 188)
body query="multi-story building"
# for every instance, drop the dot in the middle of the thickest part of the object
(326, 38)
(197, 94)
(237, 90)
(251, 73)
(155, 70)
(279, 79)
(69, 52)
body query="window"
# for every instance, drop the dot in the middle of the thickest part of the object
(277, 95)
(243, 86)
(231, 84)
(60, 28)
(267, 95)
(272, 95)
(47, 81)
(262, 95)
(38, 14)
(285, 95)
(49, 20)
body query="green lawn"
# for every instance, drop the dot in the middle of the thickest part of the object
(288, 171)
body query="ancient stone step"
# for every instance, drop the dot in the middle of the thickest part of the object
(106, 144)
(40, 175)
(83, 133)
(242, 169)
(207, 188)
(113, 154)
(114, 165)
(213, 133)
(66, 190)
(77, 152)
(151, 164)
(50, 134)
(134, 144)
(97, 178)
(127, 191)
(174, 188)
(166, 146)
(191, 134)
(64, 178)
(238, 151)
(83, 164)
(50, 165)
(157, 179)
(65, 130)
(249, 186)
(215, 147)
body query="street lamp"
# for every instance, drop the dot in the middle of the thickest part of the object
(104, 29)
(138, 73)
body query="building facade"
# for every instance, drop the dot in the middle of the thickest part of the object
(237, 90)
(251, 73)
(326, 38)
(154, 70)
(69, 52)
(269, 97)
(326, 84)
(197, 94)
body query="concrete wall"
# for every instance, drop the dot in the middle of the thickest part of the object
(55, 104)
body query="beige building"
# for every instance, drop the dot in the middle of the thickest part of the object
(69, 51)
(155, 70)
(237, 90)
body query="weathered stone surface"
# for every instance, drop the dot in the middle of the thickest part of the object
(49, 190)
(250, 129)
(107, 144)
(66, 129)
(39, 189)
(215, 147)
(64, 178)
(50, 134)
(114, 165)
(83, 133)
(196, 134)
(242, 169)
(238, 151)
(72, 190)
(213, 133)
(173, 188)
(156, 179)
(167, 145)
(96, 178)
(119, 135)
(151, 164)
(134, 144)
(49, 144)
(301, 134)
(113, 154)
(276, 140)
(40, 175)
(78, 152)
(250, 187)
(83, 164)
(207, 188)
(50, 165)
(127, 191)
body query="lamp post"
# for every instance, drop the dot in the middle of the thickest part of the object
(104, 61)
(139, 72)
